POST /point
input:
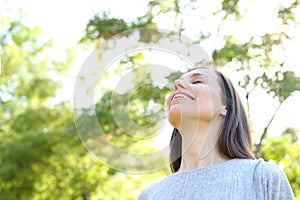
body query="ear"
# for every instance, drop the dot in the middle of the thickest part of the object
(223, 111)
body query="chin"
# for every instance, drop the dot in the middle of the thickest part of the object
(174, 118)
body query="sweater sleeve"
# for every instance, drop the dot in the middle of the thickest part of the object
(272, 183)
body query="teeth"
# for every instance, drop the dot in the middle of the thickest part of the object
(181, 96)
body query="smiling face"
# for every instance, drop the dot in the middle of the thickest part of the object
(196, 97)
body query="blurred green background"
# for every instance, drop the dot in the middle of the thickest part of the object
(44, 43)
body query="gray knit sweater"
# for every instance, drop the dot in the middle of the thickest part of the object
(234, 179)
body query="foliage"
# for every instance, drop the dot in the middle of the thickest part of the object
(103, 27)
(42, 156)
(285, 150)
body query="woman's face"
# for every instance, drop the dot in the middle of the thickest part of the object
(196, 96)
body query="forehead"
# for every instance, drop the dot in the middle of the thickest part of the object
(206, 73)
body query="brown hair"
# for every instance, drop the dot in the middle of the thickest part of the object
(235, 138)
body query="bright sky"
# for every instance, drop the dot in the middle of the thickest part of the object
(64, 21)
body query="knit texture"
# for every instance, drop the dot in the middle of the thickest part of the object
(240, 179)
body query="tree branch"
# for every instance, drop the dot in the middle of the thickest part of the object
(247, 101)
(262, 137)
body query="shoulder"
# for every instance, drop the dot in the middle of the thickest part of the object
(145, 194)
(160, 188)
(272, 181)
(268, 171)
(261, 168)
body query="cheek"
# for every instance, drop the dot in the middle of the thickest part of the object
(210, 103)
(203, 95)
(205, 102)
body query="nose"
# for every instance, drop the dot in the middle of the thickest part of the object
(179, 83)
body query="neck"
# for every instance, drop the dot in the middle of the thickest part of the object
(199, 147)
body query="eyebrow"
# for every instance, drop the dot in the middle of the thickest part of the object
(194, 74)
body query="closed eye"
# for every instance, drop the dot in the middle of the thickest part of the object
(197, 81)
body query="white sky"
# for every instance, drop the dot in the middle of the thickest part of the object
(65, 21)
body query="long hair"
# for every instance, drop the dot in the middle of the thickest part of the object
(235, 138)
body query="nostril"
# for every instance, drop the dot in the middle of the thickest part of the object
(175, 84)
(178, 83)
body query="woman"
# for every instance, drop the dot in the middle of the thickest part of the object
(211, 155)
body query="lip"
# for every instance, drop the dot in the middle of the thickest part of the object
(170, 99)
(180, 92)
